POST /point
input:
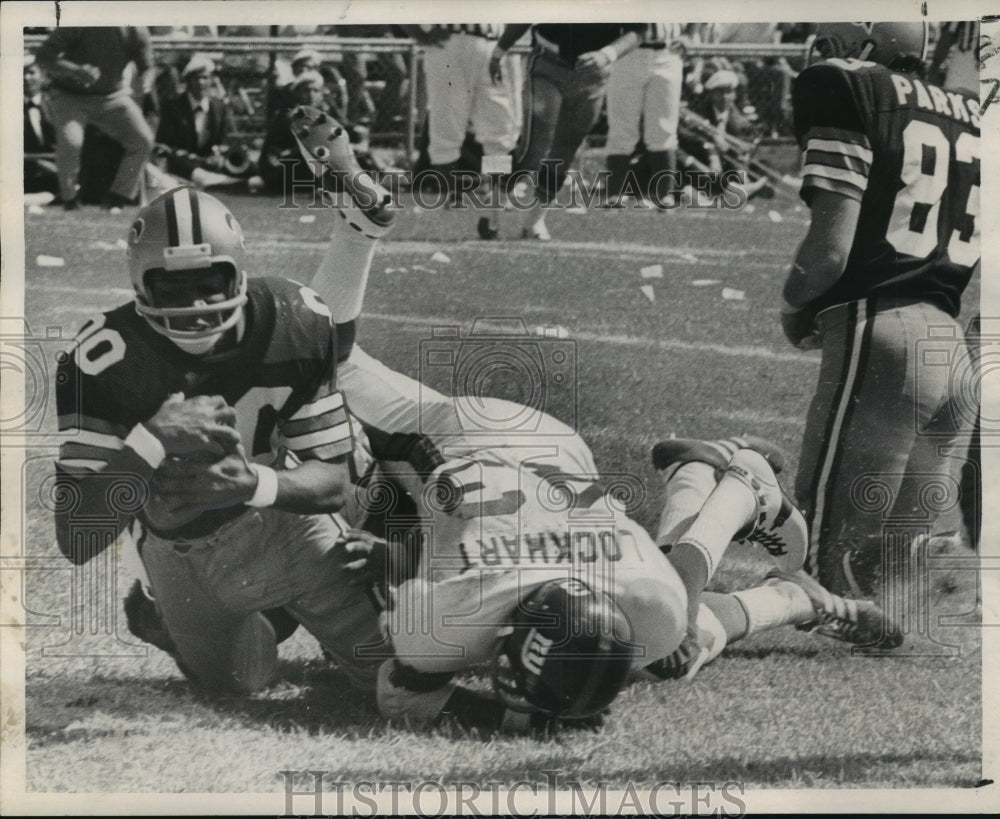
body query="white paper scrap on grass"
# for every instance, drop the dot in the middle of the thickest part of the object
(774, 216)
(647, 291)
(50, 261)
(730, 294)
(444, 258)
(705, 282)
(308, 219)
(652, 271)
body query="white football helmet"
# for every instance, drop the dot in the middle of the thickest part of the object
(186, 229)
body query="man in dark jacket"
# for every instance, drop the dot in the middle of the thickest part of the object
(194, 125)
(39, 136)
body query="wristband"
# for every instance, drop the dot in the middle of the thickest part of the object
(146, 445)
(610, 53)
(266, 492)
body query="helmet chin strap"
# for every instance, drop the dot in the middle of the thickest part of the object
(204, 345)
(868, 48)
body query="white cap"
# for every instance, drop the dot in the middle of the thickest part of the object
(199, 63)
(307, 54)
(722, 79)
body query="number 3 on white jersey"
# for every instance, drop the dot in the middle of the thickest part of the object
(924, 191)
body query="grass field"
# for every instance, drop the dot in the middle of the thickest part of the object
(704, 358)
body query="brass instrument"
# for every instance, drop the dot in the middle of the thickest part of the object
(738, 152)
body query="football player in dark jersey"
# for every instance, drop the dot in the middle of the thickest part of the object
(204, 417)
(891, 176)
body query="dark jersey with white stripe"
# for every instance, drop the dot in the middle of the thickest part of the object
(281, 379)
(909, 153)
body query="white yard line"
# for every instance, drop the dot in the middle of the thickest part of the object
(427, 322)
(683, 254)
(737, 351)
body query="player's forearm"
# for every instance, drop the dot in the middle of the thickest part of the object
(629, 41)
(817, 268)
(314, 487)
(822, 256)
(511, 34)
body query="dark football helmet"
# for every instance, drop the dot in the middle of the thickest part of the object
(187, 229)
(567, 653)
(901, 46)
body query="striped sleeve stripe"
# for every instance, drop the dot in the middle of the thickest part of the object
(75, 449)
(316, 423)
(300, 443)
(325, 453)
(325, 404)
(82, 464)
(859, 180)
(838, 135)
(86, 437)
(839, 146)
(74, 421)
(847, 189)
(836, 160)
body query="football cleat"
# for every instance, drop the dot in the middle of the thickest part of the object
(858, 622)
(778, 526)
(326, 147)
(487, 229)
(717, 454)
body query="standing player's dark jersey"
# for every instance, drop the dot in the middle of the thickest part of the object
(909, 152)
(281, 379)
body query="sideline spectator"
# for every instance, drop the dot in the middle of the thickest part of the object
(87, 70)
(334, 92)
(195, 126)
(39, 136)
(705, 136)
(279, 143)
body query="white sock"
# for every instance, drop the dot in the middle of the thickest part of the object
(687, 488)
(342, 275)
(775, 604)
(724, 513)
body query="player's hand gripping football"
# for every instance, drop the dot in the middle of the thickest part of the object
(192, 426)
(190, 486)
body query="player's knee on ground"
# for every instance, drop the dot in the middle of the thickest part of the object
(658, 615)
(245, 666)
